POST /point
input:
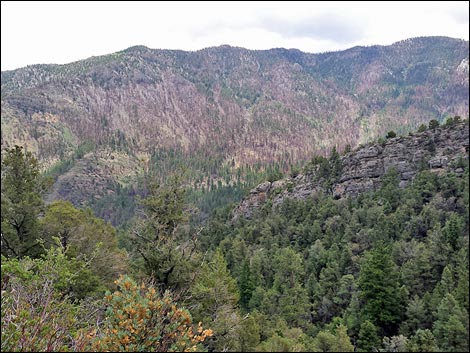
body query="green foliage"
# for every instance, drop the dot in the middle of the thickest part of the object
(391, 134)
(338, 341)
(422, 128)
(433, 124)
(379, 289)
(65, 165)
(214, 296)
(249, 334)
(286, 340)
(85, 236)
(416, 316)
(451, 121)
(327, 170)
(450, 328)
(155, 236)
(307, 275)
(246, 285)
(22, 191)
(377, 257)
(37, 314)
(422, 341)
(395, 344)
(138, 319)
(368, 340)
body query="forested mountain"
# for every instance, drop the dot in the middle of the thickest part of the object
(313, 267)
(226, 113)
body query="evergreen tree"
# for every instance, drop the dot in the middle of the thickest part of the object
(338, 341)
(422, 341)
(416, 317)
(379, 289)
(159, 240)
(214, 297)
(249, 334)
(246, 285)
(450, 327)
(22, 191)
(368, 339)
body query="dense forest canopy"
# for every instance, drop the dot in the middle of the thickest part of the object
(386, 270)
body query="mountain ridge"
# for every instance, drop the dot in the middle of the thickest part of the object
(439, 150)
(232, 106)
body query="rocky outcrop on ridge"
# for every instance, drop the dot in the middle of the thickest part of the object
(439, 150)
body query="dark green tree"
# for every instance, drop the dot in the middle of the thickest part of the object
(160, 240)
(379, 288)
(246, 285)
(249, 334)
(391, 134)
(22, 191)
(433, 124)
(422, 128)
(453, 230)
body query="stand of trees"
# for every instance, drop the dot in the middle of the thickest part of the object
(386, 271)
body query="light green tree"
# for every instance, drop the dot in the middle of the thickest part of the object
(214, 297)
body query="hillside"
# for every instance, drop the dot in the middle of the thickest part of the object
(106, 120)
(439, 150)
(362, 252)
(365, 251)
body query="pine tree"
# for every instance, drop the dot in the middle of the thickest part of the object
(157, 240)
(379, 289)
(422, 341)
(416, 316)
(214, 297)
(368, 340)
(22, 191)
(246, 285)
(449, 328)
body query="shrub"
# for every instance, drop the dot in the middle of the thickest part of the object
(139, 320)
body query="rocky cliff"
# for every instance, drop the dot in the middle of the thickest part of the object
(439, 150)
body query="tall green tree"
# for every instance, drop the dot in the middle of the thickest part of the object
(379, 288)
(416, 316)
(158, 237)
(451, 326)
(214, 297)
(246, 285)
(22, 191)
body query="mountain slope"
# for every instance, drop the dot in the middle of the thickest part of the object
(230, 106)
(439, 150)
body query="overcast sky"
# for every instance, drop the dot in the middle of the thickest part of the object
(55, 32)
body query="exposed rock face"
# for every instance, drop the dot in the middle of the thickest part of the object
(438, 150)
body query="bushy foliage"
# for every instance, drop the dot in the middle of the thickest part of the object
(37, 314)
(138, 319)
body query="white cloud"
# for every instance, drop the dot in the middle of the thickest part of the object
(55, 32)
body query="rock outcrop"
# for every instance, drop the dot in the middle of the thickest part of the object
(438, 150)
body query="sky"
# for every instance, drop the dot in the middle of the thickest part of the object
(61, 32)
